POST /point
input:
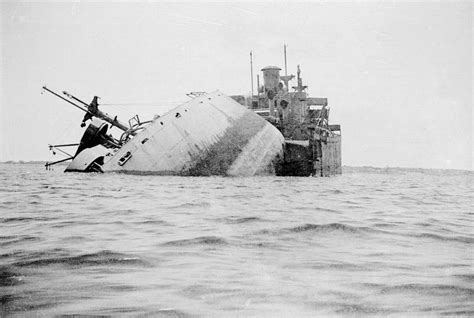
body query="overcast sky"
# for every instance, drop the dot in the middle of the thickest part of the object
(398, 76)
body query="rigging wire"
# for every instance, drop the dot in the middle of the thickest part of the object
(143, 103)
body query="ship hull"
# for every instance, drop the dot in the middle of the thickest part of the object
(210, 135)
(315, 157)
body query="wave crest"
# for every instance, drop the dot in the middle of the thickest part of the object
(203, 240)
(331, 227)
(94, 259)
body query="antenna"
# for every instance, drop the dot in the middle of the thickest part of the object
(286, 78)
(251, 75)
(258, 86)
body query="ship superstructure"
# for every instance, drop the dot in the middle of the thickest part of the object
(312, 145)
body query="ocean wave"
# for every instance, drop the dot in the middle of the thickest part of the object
(459, 239)
(153, 222)
(331, 227)
(7, 237)
(343, 308)
(190, 205)
(466, 277)
(240, 220)
(6, 303)
(321, 209)
(384, 225)
(429, 289)
(95, 259)
(72, 223)
(262, 245)
(349, 308)
(5, 241)
(203, 240)
(25, 219)
(8, 277)
(24, 302)
(404, 170)
(322, 229)
(343, 266)
(458, 313)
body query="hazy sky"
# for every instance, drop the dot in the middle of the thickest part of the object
(398, 76)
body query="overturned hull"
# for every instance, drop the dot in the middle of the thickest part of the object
(209, 135)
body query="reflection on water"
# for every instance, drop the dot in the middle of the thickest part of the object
(369, 242)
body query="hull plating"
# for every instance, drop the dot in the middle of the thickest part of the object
(209, 135)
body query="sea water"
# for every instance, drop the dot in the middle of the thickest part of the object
(369, 242)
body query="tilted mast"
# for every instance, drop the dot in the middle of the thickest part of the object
(91, 110)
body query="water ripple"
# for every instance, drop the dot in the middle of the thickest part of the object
(95, 259)
(203, 240)
(372, 242)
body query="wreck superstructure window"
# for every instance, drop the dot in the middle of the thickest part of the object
(125, 158)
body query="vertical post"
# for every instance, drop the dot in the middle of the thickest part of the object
(251, 76)
(258, 86)
(286, 74)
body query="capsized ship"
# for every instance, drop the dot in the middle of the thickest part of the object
(276, 132)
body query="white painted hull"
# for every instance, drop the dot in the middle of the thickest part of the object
(209, 135)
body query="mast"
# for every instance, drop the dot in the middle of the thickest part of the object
(258, 86)
(286, 78)
(91, 110)
(251, 76)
